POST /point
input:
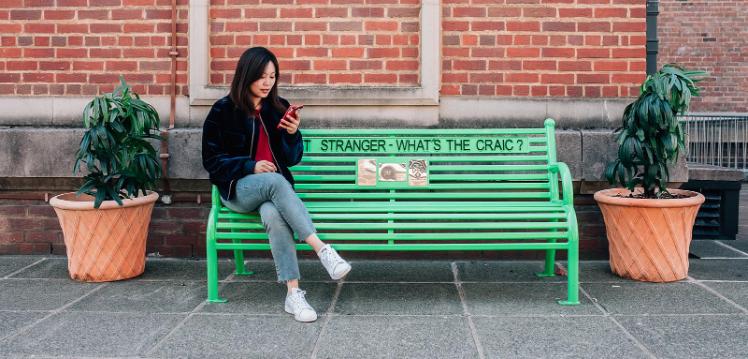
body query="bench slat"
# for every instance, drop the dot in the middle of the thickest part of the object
(433, 186)
(411, 216)
(425, 195)
(445, 236)
(364, 226)
(312, 158)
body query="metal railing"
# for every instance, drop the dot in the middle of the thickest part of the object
(717, 139)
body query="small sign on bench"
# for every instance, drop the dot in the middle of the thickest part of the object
(392, 172)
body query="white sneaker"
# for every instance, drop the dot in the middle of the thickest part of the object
(297, 305)
(337, 267)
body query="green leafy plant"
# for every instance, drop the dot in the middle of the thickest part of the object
(121, 163)
(651, 137)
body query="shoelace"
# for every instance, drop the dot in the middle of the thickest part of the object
(299, 300)
(331, 257)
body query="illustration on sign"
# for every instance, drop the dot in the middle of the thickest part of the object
(418, 173)
(392, 172)
(367, 172)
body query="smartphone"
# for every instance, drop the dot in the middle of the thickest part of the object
(291, 111)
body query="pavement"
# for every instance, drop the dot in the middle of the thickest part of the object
(383, 309)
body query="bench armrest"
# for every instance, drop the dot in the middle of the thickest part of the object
(566, 185)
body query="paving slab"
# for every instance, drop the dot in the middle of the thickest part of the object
(597, 272)
(696, 336)
(240, 336)
(740, 244)
(144, 297)
(40, 294)
(719, 269)
(92, 334)
(554, 337)
(657, 298)
(12, 321)
(504, 271)
(396, 337)
(49, 268)
(155, 269)
(523, 299)
(268, 298)
(399, 298)
(10, 264)
(184, 269)
(400, 271)
(735, 291)
(705, 249)
(264, 270)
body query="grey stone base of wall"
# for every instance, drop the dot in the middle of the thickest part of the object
(50, 152)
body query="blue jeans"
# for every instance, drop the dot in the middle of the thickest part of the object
(281, 211)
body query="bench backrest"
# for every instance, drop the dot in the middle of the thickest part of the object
(457, 166)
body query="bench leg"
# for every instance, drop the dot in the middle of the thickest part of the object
(212, 255)
(572, 277)
(550, 261)
(239, 261)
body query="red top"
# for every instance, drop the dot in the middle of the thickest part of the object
(263, 144)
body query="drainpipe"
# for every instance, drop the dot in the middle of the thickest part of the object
(166, 196)
(652, 41)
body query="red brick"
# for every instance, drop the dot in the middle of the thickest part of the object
(593, 53)
(559, 26)
(523, 52)
(539, 12)
(593, 79)
(557, 79)
(329, 65)
(557, 52)
(346, 78)
(380, 26)
(539, 65)
(523, 26)
(522, 78)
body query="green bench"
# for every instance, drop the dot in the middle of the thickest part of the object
(422, 190)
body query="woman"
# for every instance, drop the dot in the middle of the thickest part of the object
(247, 149)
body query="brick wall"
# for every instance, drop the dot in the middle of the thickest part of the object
(560, 48)
(709, 35)
(572, 48)
(71, 47)
(337, 42)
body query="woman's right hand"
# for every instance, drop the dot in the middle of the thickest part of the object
(263, 166)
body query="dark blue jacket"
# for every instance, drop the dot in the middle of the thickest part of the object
(230, 143)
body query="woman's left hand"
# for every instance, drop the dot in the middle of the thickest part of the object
(291, 123)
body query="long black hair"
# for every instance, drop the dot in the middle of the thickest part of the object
(249, 69)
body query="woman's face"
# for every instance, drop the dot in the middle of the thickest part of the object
(261, 88)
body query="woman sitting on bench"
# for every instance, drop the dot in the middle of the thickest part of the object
(249, 141)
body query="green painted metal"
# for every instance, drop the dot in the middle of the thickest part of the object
(481, 198)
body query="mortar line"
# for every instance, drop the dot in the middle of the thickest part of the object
(471, 325)
(24, 268)
(328, 316)
(718, 294)
(52, 313)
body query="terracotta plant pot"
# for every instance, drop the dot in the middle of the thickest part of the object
(108, 243)
(649, 238)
